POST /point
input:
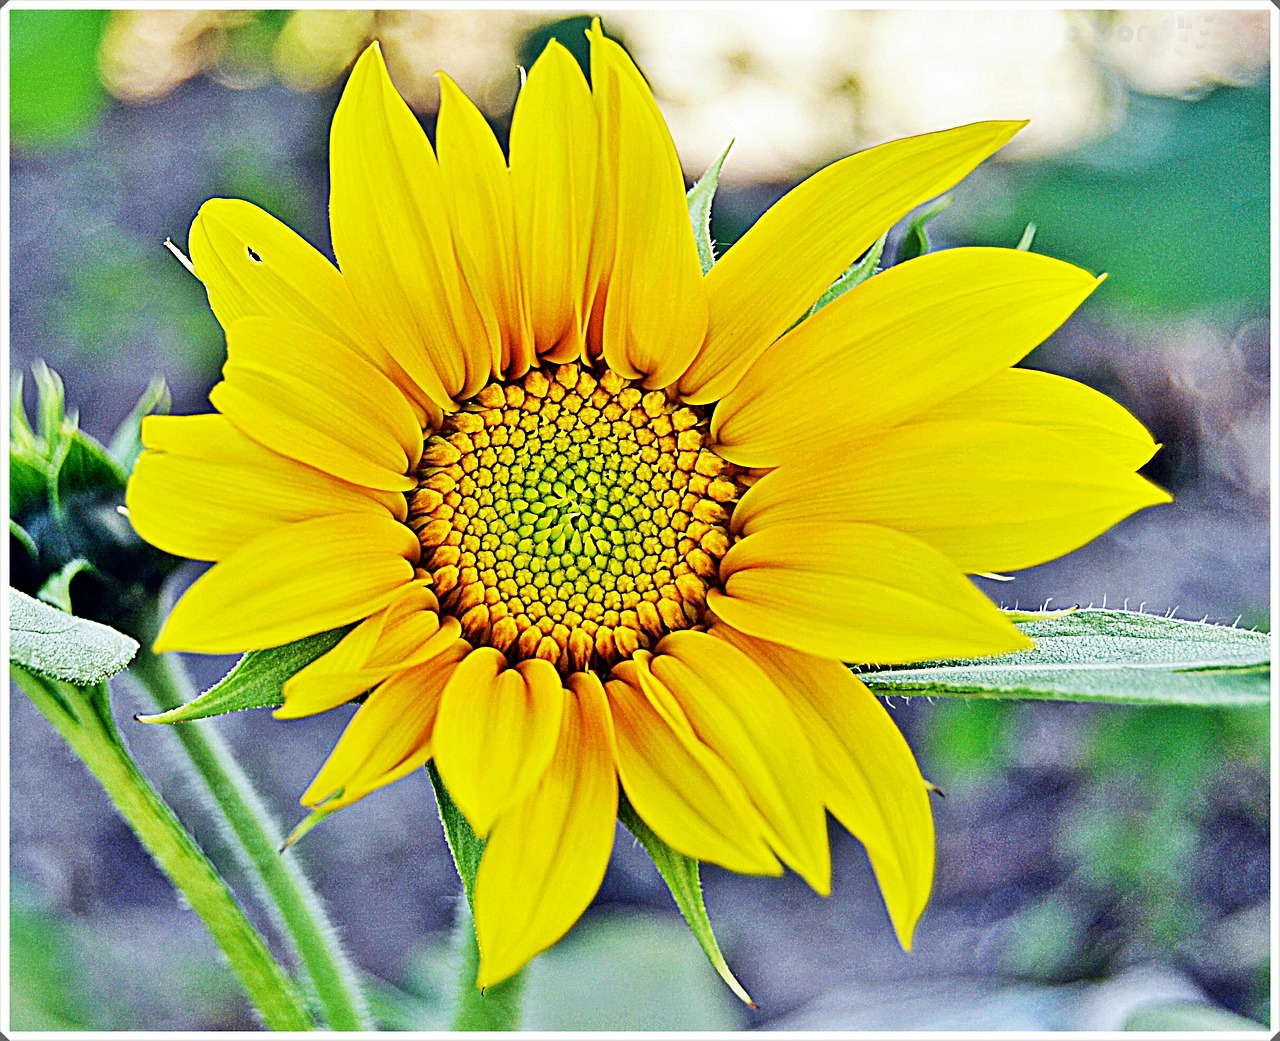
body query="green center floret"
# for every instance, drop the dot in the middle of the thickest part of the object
(572, 518)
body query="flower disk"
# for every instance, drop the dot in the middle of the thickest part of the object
(571, 518)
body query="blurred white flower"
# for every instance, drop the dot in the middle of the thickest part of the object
(923, 70)
(478, 48)
(775, 79)
(1182, 53)
(318, 45)
(146, 54)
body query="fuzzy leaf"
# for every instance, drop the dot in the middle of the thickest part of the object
(682, 878)
(255, 681)
(1122, 657)
(700, 196)
(58, 645)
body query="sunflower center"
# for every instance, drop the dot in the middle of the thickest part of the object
(571, 517)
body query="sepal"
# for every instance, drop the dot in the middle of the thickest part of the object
(681, 875)
(256, 681)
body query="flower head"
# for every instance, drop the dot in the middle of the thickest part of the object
(605, 519)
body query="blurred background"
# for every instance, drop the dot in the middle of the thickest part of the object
(1093, 861)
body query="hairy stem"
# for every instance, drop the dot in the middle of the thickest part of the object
(284, 887)
(83, 718)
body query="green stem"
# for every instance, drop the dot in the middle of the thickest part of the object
(494, 1008)
(83, 718)
(497, 1007)
(285, 887)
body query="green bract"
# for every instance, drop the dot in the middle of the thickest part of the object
(256, 681)
(65, 499)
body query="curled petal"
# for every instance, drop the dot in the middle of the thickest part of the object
(547, 856)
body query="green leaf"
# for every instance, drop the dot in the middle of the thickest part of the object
(857, 272)
(700, 196)
(682, 878)
(255, 681)
(1122, 657)
(1028, 237)
(58, 645)
(126, 442)
(1175, 1016)
(56, 590)
(915, 241)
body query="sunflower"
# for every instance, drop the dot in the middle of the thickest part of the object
(601, 519)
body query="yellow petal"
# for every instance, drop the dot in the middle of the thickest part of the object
(683, 790)
(406, 634)
(785, 261)
(251, 264)
(311, 399)
(604, 223)
(474, 173)
(496, 732)
(1054, 403)
(231, 490)
(655, 313)
(858, 593)
(894, 346)
(546, 857)
(991, 496)
(299, 580)
(553, 179)
(869, 777)
(388, 737)
(353, 651)
(393, 240)
(738, 711)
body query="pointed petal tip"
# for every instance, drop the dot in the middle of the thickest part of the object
(1009, 127)
(166, 642)
(731, 981)
(307, 823)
